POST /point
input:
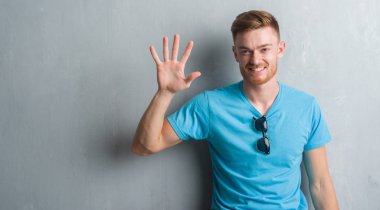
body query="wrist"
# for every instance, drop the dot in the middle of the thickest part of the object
(165, 93)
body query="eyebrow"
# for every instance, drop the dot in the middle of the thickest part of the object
(260, 46)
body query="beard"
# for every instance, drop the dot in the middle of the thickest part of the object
(253, 75)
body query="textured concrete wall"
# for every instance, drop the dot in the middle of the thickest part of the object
(76, 76)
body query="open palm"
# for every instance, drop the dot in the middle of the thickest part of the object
(170, 72)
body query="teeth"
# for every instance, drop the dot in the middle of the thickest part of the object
(260, 69)
(257, 69)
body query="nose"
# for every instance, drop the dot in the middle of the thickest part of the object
(255, 58)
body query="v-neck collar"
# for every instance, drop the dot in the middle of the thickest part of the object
(271, 109)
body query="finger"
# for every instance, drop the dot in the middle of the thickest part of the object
(166, 49)
(175, 47)
(154, 55)
(192, 77)
(187, 52)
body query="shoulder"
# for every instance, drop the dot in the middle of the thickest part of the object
(222, 96)
(225, 92)
(299, 100)
(295, 95)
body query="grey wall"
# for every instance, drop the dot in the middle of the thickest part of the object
(76, 76)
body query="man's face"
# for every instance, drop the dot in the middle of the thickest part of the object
(257, 52)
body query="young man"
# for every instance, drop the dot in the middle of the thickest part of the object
(258, 130)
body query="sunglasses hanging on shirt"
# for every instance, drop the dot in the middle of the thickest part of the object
(262, 144)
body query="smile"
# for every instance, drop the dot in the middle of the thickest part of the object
(259, 69)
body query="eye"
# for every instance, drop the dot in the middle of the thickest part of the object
(264, 50)
(245, 52)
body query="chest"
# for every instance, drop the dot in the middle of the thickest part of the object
(234, 139)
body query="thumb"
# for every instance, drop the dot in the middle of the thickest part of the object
(192, 77)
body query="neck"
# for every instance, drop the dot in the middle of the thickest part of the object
(262, 96)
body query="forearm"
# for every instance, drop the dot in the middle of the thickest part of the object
(149, 129)
(323, 194)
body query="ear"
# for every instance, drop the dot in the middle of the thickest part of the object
(235, 53)
(281, 49)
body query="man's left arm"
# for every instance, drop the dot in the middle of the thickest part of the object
(320, 183)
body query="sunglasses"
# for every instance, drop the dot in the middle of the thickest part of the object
(262, 144)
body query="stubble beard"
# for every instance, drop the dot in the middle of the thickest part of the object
(271, 72)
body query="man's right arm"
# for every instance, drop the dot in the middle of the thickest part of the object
(154, 133)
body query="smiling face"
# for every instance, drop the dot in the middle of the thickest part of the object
(257, 52)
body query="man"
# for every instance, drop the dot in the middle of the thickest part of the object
(258, 130)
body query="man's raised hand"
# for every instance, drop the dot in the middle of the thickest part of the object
(170, 72)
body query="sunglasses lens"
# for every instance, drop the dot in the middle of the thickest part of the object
(261, 124)
(263, 145)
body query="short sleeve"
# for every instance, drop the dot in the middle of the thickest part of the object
(191, 121)
(319, 134)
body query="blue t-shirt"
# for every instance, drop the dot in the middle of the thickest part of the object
(244, 178)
